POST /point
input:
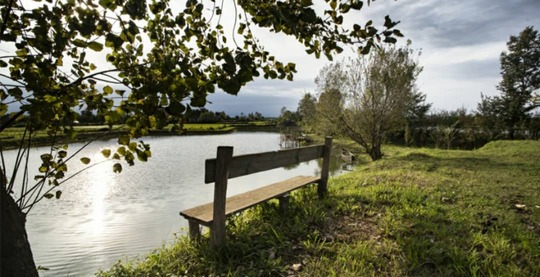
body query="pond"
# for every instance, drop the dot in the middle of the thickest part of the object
(103, 217)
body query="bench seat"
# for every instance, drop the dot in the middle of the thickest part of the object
(204, 214)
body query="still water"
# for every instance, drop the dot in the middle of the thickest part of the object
(103, 217)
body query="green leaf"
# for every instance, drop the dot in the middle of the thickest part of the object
(333, 4)
(107, 3)
(117, 168)
(58, 194)
(22, 52)
(17, 93)
(142, 155)
(397, 33)
(113, 41)
(200, 101)
(3, 109)
(123, 140)
(48, 195)
(357, 4)
(175, 108)
(388, 23)
(106, 153)
(132, 146)
(86, 160)
(43, 169)
(344, 8)
(96, 46)
(79, 43)
(62, 154)
(241, 28)
(390, 40)
(121, 151)
(107, 90)
(129, 158)
(365, 50)
(46, 157)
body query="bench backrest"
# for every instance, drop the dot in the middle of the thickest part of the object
(225, 166)
(252, 163)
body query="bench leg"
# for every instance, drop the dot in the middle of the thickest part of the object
(194, 230)
(283, 203)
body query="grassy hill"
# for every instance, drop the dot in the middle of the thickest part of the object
(416, 212)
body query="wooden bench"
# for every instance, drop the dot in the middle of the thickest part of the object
(225, 166)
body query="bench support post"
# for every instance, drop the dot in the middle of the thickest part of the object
(283, 203)
(194, 230)
(321, 188)
(223, 160)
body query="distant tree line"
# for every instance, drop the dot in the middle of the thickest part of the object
(202, 115)
(87, 117)
(373, 100)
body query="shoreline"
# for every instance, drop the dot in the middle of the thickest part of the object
(100, 132)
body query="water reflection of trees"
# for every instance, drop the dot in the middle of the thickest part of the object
(337, 165)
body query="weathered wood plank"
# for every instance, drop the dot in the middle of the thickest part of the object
(252, 163)
(203, 214)
(223, 162)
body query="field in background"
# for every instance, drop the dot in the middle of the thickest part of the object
(11, 137)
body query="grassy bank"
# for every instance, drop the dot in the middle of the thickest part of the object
(417, 212)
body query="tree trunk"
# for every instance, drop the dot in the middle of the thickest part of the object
(375, 153)
(511, 133)
(17, 259)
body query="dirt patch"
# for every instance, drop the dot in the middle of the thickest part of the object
(350, 228)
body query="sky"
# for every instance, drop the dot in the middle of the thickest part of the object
(460, 44)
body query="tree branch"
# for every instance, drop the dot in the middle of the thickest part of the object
(11, 120)
(6, 19)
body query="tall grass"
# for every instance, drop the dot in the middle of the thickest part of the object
(416, 212)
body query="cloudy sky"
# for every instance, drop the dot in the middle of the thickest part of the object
(460, 42)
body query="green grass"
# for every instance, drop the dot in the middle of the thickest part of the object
(416, 212)
(11, 137)
(261, 123)
(208, 127)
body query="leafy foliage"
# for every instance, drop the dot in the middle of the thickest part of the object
(307, 111)
(148, 63)
(365, 98)
(520, 69)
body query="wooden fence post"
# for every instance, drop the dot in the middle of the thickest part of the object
(321, 188)
(223, 160)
